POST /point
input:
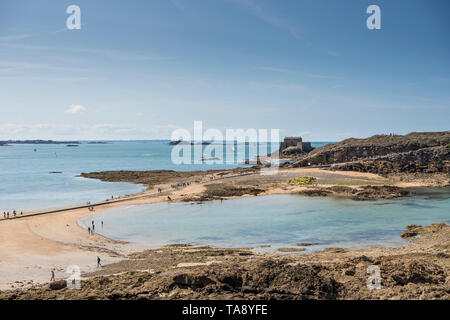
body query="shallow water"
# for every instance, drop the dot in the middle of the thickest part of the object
(275, 221)
(26, 182)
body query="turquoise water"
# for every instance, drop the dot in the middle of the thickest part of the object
(275, 220)
(26, 182)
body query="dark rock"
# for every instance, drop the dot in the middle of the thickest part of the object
(231, 279)
(58, 285)
(315, 192)
(192, 281)
(412, 231)
(418, 272)
(349, 272)
(307, 244)
(114, 295)
(379, 192)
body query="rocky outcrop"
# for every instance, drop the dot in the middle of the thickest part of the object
(414, 152)
(415, 230)
(153, 177)
(290, 151)
(427, 160)
(221, 191)
(57, 285)
(413, 272)
(360, 193)
(181, 142)
(192, 281)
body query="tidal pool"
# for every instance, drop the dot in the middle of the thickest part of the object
(271, 222)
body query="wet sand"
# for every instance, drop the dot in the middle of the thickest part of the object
(32, 245)
(420, 271)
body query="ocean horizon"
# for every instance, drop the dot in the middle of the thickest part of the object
(46, 176)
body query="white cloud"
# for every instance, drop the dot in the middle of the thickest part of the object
(45, 78)
(76, 108)
(323, 76)
(14, 37)
(108, 53)
(19, 65)
(100, 131)
(277, 86)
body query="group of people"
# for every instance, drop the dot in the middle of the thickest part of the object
(14, 214)
(180, 185)
(53, 278)
(91, 229)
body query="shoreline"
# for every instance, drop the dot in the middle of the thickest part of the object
(418, 271)
(403, 189)
(31, 245)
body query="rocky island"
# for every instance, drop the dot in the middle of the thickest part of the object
(8, 142)
(389, 165)
(417, 152)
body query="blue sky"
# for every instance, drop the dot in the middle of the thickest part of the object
(140, 69)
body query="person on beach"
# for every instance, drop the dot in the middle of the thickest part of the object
(89, 230)
(21, 213)
(169, 198)
(4, 215)
(98, 262)
(53, 276)
(102, 224)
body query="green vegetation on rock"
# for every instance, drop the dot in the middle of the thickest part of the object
(300, 181)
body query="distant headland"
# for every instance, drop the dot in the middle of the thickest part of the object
(8, 142)
(181, 142)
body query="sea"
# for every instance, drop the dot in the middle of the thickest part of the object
(46, 176)
(267, 223)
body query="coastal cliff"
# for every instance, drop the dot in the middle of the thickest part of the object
(424, 152)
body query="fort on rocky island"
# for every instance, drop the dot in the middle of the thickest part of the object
(294, 145)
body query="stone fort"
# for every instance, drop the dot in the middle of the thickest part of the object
(295, 143)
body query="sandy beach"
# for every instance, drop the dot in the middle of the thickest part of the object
(32, 245)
